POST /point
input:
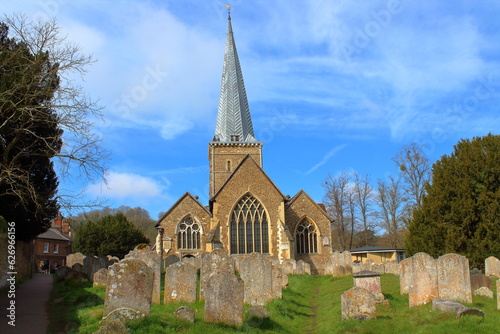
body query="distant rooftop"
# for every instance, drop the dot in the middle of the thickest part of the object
(53, 234)
(375, 249)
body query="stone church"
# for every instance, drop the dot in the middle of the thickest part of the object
(246, 212)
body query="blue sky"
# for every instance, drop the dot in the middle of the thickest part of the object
(333, 86)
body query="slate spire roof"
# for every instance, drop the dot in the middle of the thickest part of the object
(234, 122)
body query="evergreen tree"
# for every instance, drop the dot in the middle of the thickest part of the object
(29, 137)
(110, 235)
(461, 211)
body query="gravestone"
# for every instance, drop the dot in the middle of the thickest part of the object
(479, 281)
(484, 292)
(224, 294)
(215, 262)
(257, 311)
(129, 285)
(369, 280)
(392, 267)
(100, 278)
(279, 281)
(113, 327)
(405, 276)
(359, 304)
(453, 278)
(185, 312)
(424, 280)
(180, 283)
(453, 307)
(256, 271)
(346, 262)
(492, 267)
(300, 268)
(498, 294)
(289, 266)
(74, 258)
(152, 259)
(92, 264)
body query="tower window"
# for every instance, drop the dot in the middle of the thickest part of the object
(249, 227)
(188, 234)
(228, 165)
(235, 138)
(306, 238)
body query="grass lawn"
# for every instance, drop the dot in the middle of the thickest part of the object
(311, 304)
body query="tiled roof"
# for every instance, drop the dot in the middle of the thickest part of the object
(53, 234)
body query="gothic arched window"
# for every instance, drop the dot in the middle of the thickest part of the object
(188, 234)
(306, 238)
(249, 227)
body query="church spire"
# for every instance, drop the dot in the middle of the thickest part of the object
(234, 122)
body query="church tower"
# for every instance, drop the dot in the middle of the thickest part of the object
(234, 137)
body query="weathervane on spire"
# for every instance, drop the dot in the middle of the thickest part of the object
(228, 11)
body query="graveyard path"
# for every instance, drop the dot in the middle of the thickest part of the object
(31, 306)
(313, 321)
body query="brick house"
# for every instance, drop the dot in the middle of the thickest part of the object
(246, 212)
(54, 245)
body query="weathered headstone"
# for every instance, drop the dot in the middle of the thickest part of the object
(74, 258)
(100, 278)
(129, 285)
(346, 262)
(300, 268)
(180, 283)
(307, 268)
(185, 313)
(289, 266)
(498, 294)
(453, 307)
(479, 281)
(453, 278)
(279, 281)
(405, 276)
(392, 267)
(224, 294)
(370, 281)
(484, 292)
(123, 314)
(217, 261)
(256, 271)
(152, 259)
(424, 280)
(92, 264)
(113, 327)
(359, 304)
(492, 267)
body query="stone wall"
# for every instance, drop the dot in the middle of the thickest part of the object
(24, 259)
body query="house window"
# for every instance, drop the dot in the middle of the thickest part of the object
(188, 234)
(46, 247)
(249, 227)
(306, 238)
(56, 248)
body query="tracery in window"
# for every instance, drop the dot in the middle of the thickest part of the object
(306, 238)
(188, 234)
(249, 227)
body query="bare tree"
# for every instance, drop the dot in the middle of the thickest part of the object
(392, 212)
(337, 204)
(415, 169)
(363, 191)
(80, 156)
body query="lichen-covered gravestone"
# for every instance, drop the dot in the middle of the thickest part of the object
(359, 304)
(424, 280)
(224, 294)
(129, 285)
(74, 258)
(100, 278)
(153, 260)
(492, 267)
(257, 273)
(370, 281)
(404, 276)
(279, 281)
(180, 283)
(453, 278)
(217, 261)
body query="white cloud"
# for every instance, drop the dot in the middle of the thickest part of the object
(127, 185)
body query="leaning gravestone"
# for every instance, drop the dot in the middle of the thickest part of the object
(359, 304)
(424, 280)
(453, 278)
(224, 294)
(217, 261)
(180, 283)
(153, 260)
(404, 276)
(129, 285)
(492, 267)
(256, 271)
